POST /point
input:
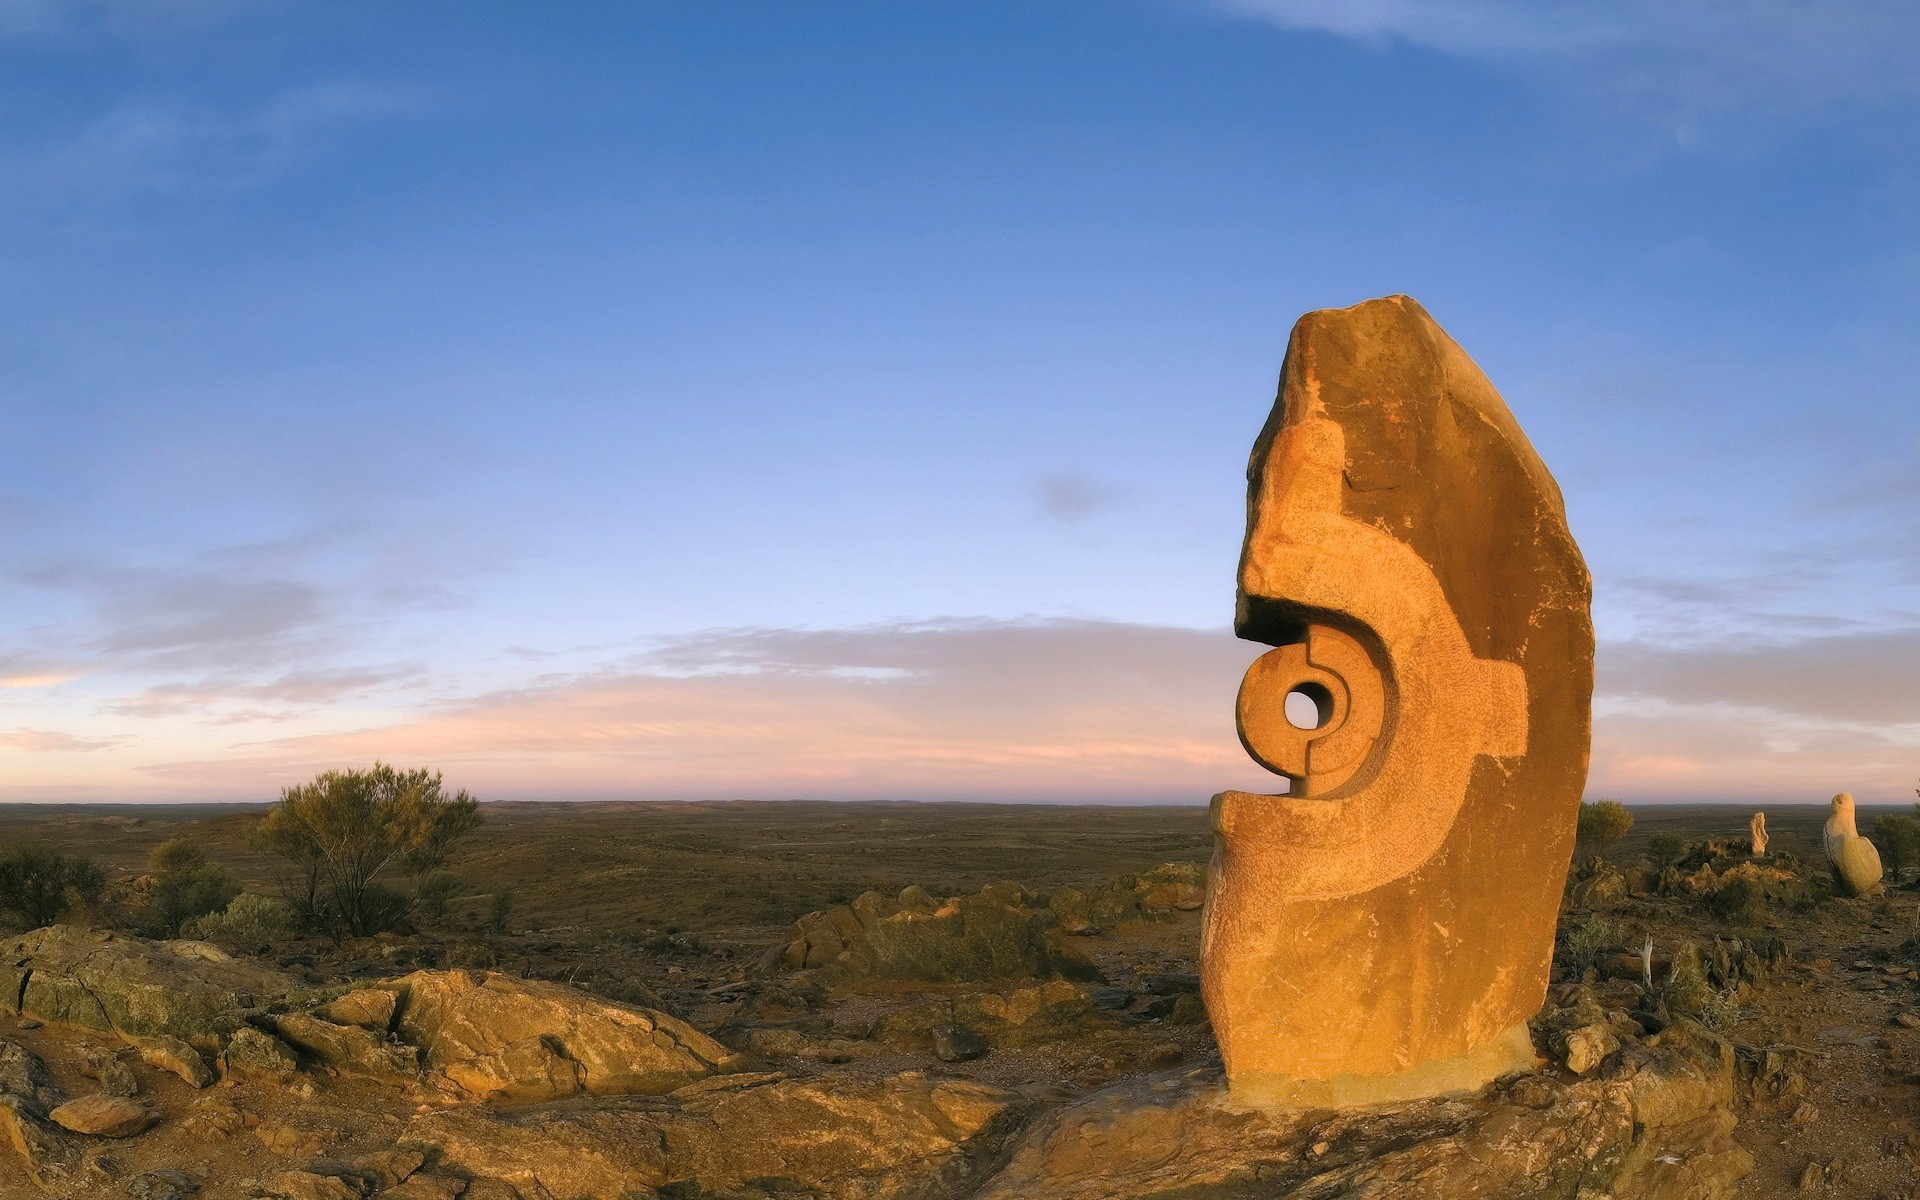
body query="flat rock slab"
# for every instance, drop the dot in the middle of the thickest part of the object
(101, 1115)
(496, 1037)
(837, 1137)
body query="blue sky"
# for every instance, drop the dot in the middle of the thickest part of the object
(851, 399)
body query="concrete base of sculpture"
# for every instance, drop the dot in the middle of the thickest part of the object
(1509, 1054)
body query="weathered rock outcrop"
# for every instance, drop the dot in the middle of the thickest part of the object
(495, 1037)
(838, 1137)
(1651, 1122)
(991, 935)
(131, 986)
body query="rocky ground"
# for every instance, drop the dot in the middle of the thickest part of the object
(1021, 1020)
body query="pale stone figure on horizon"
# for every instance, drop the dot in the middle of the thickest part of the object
(1856, 864)
(1384, 930)
(1758, 828)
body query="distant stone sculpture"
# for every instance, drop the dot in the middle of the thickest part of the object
(1384, 930)
(1758, 827)
(1856, 864)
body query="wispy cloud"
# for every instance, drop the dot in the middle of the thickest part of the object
(163, 145)
(1022, 709)
(285, 698)
(1700, 57)
(43, 741)
(1076, 709)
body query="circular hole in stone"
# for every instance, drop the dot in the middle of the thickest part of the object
(1309, 706)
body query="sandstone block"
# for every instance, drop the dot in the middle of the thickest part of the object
(1385, 928)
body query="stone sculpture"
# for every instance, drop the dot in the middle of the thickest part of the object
(1758, 828)
(1384, 930)
(1856, 864)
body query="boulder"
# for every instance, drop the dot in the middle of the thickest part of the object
(132, 986)
(834, 1137)
(496, 1037)
(102, 1115)
(991, 935)
(175, 1055)
(1654, 1123)
(1597, 884)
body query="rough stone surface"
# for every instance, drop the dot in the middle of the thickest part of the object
(1757, 830)
(493, 1036)
(49, 1158)
(836, 1138)
(368, 1008)
(24, 1077)
(957, 1043)
(1856, 864)
(1385, 930)
(173, 1054)
(1654, 1124)
(252, 1052)
(129, 985)
(166, 1184)
(101, 1115)
(348, 1048)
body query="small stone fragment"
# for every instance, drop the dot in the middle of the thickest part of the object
(1805, 1114)
(957, 1043)
(102, 1115)
(1163, 1056)
(1907, 1019)
(1111, 998)
(1588, 1046)
(1812, 1177)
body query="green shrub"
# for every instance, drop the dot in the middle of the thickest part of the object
(343, 829)
(248, 920)
(435, 891)
(1898, 840)
(500, 910)
(40, 884)
(1665, 849)
(1590, 937)
(185, 886)
(1603, 822)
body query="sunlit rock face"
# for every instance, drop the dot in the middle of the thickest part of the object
(1384, 930)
